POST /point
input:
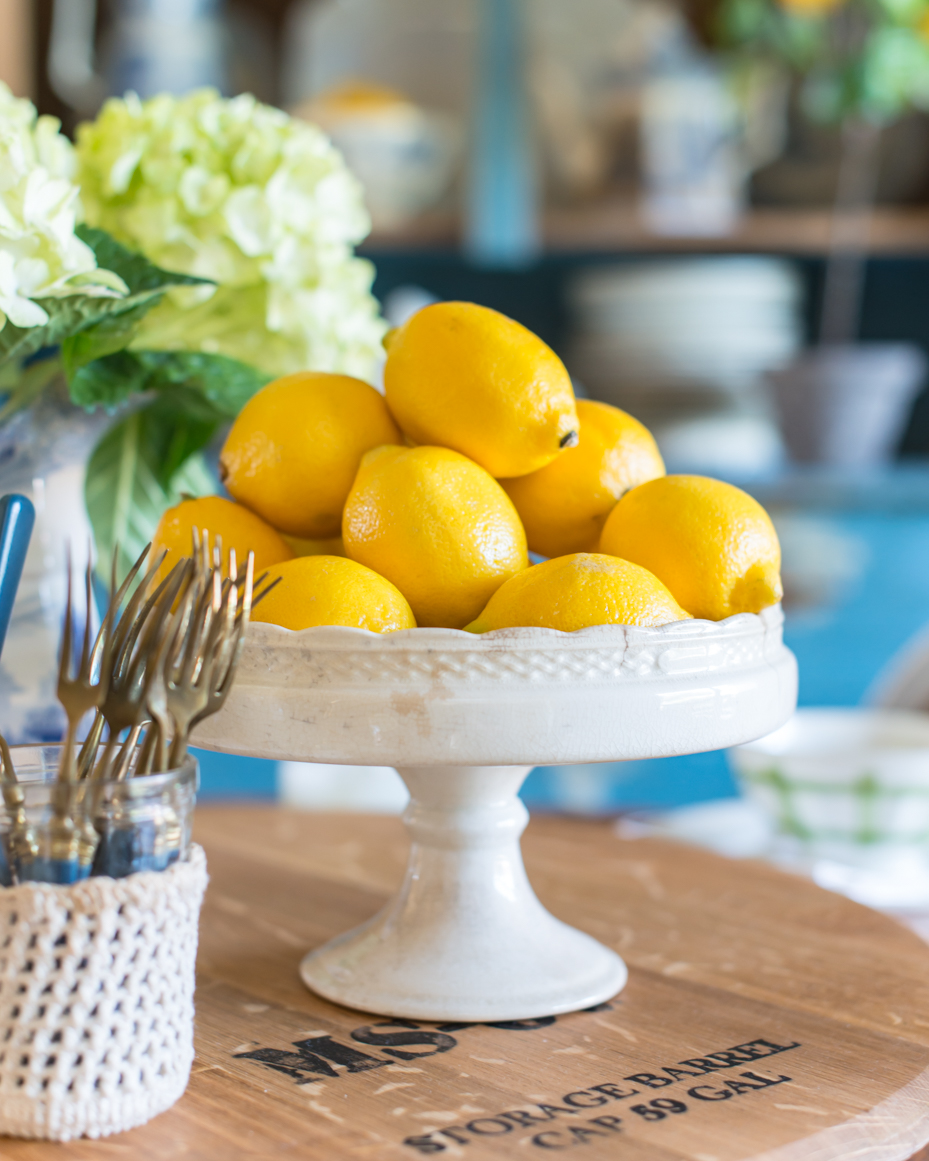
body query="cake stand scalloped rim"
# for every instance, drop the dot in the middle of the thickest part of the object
(346, 636)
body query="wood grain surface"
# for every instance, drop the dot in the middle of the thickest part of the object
(764, 1018)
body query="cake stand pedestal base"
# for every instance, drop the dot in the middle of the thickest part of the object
(465, 938)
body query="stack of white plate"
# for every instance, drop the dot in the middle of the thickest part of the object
(684, 345)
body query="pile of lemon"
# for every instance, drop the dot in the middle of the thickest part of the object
(419, 508)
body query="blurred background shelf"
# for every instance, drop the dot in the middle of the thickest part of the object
(617, 227)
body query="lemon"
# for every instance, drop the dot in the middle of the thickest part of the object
(239, 529)
(465, 377)
(564, 505)
(711, 543)
(330, 590)
(437, 526)
(331, 546)
(573, 592)
(293, 452)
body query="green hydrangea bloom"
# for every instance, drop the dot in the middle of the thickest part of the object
(40, 257)
(247, 196)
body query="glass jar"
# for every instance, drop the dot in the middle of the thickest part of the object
(61, 833)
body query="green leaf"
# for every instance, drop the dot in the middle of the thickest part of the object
(81, 313)
(147, 283)
(104, 338)
(225, 383)
(133, 268)
(66, 316)
(183, 422)
(125, 497)
(108, 382)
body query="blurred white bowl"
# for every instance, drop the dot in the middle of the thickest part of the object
(403, 155)
(846, 784)
(683, 344)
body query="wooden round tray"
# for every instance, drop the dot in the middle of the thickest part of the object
(764, 1018)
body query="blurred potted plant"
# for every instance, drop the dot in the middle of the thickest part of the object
(186, 251)
(858, 64)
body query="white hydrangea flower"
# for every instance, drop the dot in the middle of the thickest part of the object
(253, 199)
(40, 256)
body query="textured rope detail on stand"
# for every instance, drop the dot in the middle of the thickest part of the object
(336, 656)
(96, 1000)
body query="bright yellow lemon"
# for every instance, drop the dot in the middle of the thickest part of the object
(576, 591)
(711, 544)
(330, 590)
(465, 377)
(238, 528)
(293, 452)
(437, 526)
(564, 505)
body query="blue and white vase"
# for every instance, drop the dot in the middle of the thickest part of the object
(43, 455)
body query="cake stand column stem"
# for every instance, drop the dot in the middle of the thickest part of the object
(466, 869)
(465, 937)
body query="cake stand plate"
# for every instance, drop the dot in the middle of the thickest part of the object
(463, 719)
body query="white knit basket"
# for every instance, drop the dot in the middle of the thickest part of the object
(96, 1000)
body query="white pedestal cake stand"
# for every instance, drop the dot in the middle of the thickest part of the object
(464, 718)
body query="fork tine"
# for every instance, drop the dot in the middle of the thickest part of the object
(117, 595)
(126, 621)
(100, 653)
(249, 586)
(148, 628)
(88, 593)
(240, 579)
(130, 575)
(264, 592)
(231, 648)
(85, 758)
(201, 622)
(185, 614)
(143, 614)
(64, 662)
(214, 647)
(8, 770)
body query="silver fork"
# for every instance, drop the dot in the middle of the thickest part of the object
(230, 650)
(80, 693)
(88, 752)
(193, 695)
(189, 669)
(133, 668)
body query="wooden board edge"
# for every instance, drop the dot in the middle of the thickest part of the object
(905, 1116)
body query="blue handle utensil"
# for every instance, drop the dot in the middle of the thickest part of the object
(17, 517)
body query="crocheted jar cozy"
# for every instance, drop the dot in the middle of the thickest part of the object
(96, 1000)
